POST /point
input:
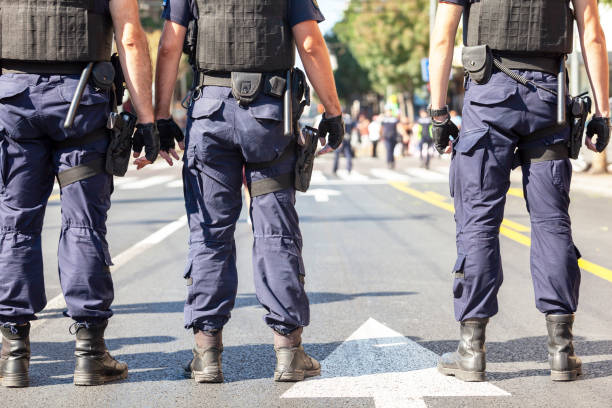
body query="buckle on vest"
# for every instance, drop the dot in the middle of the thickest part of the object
(246, 86)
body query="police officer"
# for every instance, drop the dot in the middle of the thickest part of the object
(243, 53)
(40, 73)
(511, 101)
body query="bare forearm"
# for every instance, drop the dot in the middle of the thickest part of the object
(320, 74)
(441, 54)
(133, 51)
(596, 61)
(315, 57)
(168, 59)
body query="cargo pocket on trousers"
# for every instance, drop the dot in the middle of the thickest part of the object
(205, 108)
(459, 276)
(468, 156)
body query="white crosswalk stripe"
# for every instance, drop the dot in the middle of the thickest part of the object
(175, 184)
(426, 174)
(318, 177)
(146, 182)
(390, 175)
(352, 176)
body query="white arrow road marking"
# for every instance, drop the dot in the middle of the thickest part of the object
(321, 195)
(146, 183)
(377, 362)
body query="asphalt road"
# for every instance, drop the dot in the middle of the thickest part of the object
(378, 248)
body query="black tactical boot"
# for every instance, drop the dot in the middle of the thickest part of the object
(564, 364)
(15, 355)
(468, 363)
(94, 364)
(206, 366)
(292, 362)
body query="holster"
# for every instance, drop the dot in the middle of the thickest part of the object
(306, 152)
(120, 146)
(579, 109)
(478, 63)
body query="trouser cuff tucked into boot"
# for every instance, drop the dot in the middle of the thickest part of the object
(94, 364)
(292, 362)
(15, 355)
(468, 363)
(206, 365)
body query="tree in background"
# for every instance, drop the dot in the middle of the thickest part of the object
(388, 39)
(352, 80)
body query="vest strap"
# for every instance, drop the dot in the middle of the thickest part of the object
(271, 184)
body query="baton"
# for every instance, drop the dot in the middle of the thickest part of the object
(288, 108)
(78, 95)
(561, 93)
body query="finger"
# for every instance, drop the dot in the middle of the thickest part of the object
(137, 154)
(322, 141)
(174, 154)
(181, 145)
(590, 144)
(141, 162)
(166, 157)
(448, 150)
(325, 150)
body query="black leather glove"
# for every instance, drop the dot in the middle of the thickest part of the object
(441, 133)
(601, 127)
(168, 133)
(334, 127)
(146, 136)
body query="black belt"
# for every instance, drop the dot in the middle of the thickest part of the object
(45, 68)
(529, 62)
(536, 154)
(224, 79)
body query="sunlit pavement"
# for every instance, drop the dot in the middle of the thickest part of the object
(379, 246)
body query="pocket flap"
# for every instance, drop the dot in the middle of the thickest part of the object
(547, 96)
(269, 111)
(491, 94)
(204, 108)
(11, 88)
(474, 58)
(469, 139)
(458, 268)
(90, 97)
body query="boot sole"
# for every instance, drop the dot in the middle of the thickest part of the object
(15, 380)
(467, 376)
(571, 375)
(205, 378)
(87, 379)
(295, 376)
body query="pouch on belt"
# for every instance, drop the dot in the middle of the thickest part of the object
(478, 63)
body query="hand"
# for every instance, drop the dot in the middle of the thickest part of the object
(442, 132)
(168, 133)
(145, 136)
(334, 127)
(600, 127)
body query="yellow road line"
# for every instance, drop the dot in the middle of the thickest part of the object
(54, 197)
(517, 192)
(436, 196)
(514, 233)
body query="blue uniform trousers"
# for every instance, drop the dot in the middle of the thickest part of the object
(495, 116)
(32, 113)
(221, 137)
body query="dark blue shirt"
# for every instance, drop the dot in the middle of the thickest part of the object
(102, 7)
(183, 11)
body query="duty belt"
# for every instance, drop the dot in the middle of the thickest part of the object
(549, 65)
(44, 68)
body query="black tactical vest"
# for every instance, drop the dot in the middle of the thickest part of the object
(542, 27)
(54, 31)
(244, 36)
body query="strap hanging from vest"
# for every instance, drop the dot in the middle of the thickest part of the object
(80, 172)
(271, 184)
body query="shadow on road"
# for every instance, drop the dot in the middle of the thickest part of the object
(242, 300)
(527, 349)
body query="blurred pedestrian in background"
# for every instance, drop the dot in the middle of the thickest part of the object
(389, 127)
(345, 148)
(374, 130)
(422, 130)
